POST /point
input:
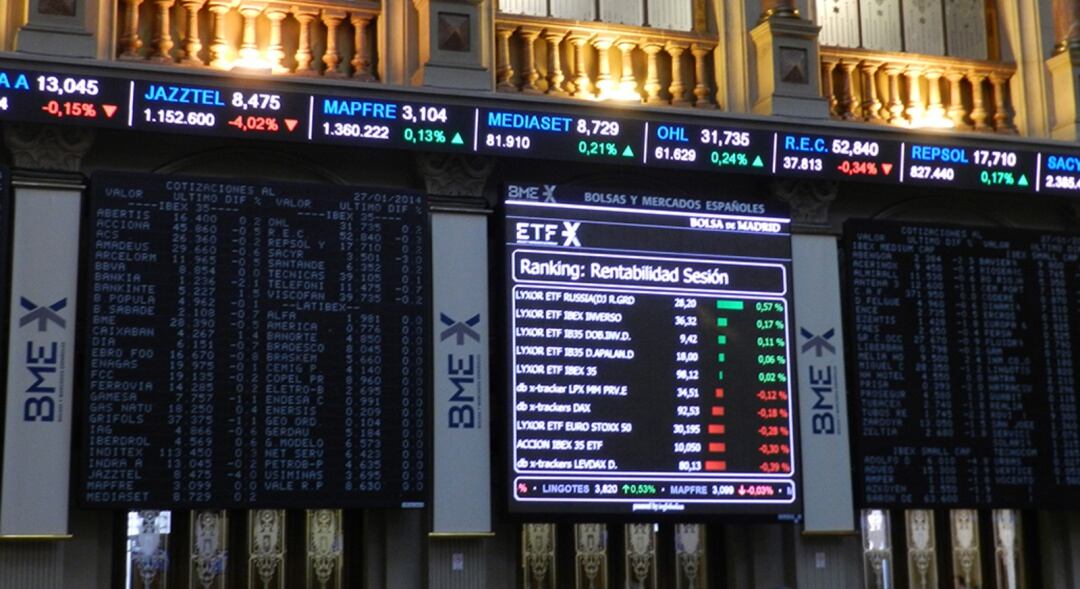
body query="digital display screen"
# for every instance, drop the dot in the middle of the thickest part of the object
(650, 362)
(373, 118)
(944, 165)
(56, 98)
(392, 123)
(707, 147)
(838, 157)
(210, 110)
(558, 136)
(253, 343)
(963, 370)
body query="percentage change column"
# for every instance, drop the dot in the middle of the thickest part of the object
(773, 413)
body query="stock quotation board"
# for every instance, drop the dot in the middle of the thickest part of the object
(253, 343)
(650, 360)
(964, 365)
(370, 117)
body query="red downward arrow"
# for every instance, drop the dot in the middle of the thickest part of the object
(886, 168)
(291, 123)
(110, 109)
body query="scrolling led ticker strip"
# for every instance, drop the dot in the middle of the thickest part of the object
(369, 116)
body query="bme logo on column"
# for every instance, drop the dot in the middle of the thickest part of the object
(463, 372)
(43, 361)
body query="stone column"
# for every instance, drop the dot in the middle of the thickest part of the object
(454, 44)
(809, 201)
(461, 520)
(1064, 67)
(44, 211)
(788, 62)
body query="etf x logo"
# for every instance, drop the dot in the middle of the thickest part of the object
(546, 233)
(819, 343)
(42, 314)
(569, 234)
(459, 329)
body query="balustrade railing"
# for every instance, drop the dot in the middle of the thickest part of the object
(915, 90)
(604, 62)
(304, 38)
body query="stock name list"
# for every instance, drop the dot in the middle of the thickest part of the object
(253, 344)
(965, 382)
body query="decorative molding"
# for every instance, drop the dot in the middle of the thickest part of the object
(1008, 548)
(809, 200)
(209, 552)
(779, 9)
(149, 555)
(922, 557)
(325, 548)
(967, 566)
(455, 175)
(640, 556)
(53, 148)
(590, 541)
(877, 548)
(266, 546)
(690, 556)
(538, 555)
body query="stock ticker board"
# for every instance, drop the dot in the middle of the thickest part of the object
(964, 374)
(372, 117)
(253, 343)
(650, 365)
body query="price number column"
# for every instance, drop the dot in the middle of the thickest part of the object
(174, 454)
(355, 345)
(1058, 366)
(362, 284)
(928, 284)
(686, 428)
(202, 365)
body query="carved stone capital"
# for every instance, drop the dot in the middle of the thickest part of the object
(809, 200)
(52, 148)
(1071, 215)
(779, 9)
(459, 176)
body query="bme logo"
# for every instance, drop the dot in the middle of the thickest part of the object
(42, 314)
(823, 375)
(463, 373)
(459, 329)
(535, 193)
(42, 360)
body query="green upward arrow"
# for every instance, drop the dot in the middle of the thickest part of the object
(758, 163)
(628, 152)
(1023, 181)
(457, 140)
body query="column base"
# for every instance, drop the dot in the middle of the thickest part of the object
(452, 76)
(56, 40)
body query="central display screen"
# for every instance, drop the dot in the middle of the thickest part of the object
(650, 364)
